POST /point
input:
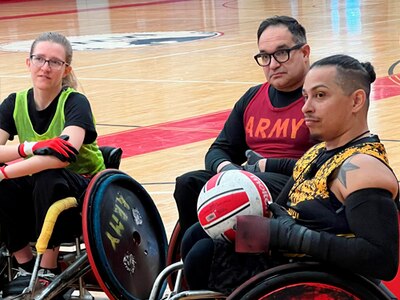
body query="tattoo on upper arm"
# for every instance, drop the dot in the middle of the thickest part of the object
(346, 167)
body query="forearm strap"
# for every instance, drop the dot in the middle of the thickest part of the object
(287, 235)
(374, 251)
(3, 172)
(25, 149)
(21, 151)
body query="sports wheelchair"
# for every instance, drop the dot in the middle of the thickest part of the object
(127, 252)
(112, 158)
(297, 280)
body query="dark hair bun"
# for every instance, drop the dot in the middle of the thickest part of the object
(370, 69)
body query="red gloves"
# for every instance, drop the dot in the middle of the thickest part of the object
(58, 147)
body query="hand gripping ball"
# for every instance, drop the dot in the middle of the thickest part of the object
(227, 195)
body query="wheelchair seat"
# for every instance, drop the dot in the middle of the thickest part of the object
(112, 156)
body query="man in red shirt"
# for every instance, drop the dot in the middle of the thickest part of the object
(266, 120)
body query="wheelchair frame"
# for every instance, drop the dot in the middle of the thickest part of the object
(296, 274)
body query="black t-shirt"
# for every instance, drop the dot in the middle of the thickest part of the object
(282, 99)
(77, 112)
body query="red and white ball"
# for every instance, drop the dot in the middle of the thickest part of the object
(227, 195)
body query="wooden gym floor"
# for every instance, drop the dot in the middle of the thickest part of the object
(162, 75)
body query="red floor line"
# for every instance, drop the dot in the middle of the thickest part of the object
(166, 135)
(385, 87)
(73, 11)
(177, 133)
(2, 2)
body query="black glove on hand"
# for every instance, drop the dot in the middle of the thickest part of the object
(58, 147)
(252, 234)
(255, 234)
(231, 166)
(252, 164)
(286, 234)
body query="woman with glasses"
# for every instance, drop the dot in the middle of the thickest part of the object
(57, 135)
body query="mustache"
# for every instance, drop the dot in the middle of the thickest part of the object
(279, 71)
(308, 117)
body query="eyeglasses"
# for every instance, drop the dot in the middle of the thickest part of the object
(281, 56)
(40, 61)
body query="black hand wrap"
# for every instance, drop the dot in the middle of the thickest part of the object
(257, 234)
(231, 166)
(252, 164)
(286, 234)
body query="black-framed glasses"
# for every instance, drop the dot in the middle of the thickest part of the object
(40, 61)
(281, 56)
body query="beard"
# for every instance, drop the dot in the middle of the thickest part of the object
(315, 137)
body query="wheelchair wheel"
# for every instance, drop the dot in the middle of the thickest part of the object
(174, 247)
(3, 265)
(174, 254)
(124, 236)
(308, 281)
